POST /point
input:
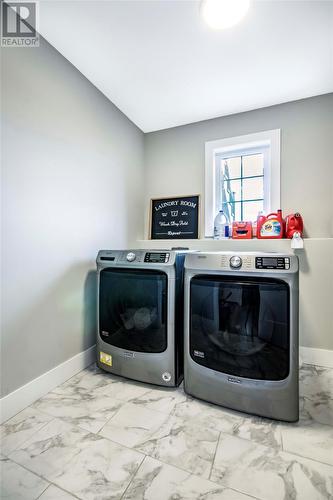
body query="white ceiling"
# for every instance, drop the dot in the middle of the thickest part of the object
(159, 63)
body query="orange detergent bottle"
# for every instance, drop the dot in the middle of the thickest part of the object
(270, 226)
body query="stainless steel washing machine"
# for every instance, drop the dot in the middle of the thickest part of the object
(241, 332)
(140, 314)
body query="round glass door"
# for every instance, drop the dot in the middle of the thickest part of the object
(240, 326)
(133, 309)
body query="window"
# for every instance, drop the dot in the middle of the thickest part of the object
(242, 184)
(242, 177)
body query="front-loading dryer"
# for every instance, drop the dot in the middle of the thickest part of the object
(241, 332)
(140, 314)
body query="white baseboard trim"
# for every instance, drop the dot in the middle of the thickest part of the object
(24, 396)
(319, 357)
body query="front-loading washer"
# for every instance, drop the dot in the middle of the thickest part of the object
(140, 314)
(241, 331)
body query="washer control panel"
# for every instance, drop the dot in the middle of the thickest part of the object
(157, 257)
(272, 262)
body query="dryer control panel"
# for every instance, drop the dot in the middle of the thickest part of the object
(243, 262)
(272, 262)
(157, 257)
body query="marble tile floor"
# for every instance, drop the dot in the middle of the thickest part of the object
(101, 437)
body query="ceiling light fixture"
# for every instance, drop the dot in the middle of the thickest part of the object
(221, 14)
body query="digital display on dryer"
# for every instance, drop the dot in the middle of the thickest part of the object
(272, 263)
(157, 257)
(269, 261)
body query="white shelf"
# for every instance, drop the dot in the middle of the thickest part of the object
(208, 244)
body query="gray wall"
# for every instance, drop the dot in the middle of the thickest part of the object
(174, 164)
(174, 158)
(72, 168)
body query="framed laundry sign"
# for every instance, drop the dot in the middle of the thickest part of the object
(174, 218)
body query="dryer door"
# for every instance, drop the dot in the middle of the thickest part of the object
(240, 326)
(133, 309)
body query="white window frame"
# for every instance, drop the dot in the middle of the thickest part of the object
(267, 142)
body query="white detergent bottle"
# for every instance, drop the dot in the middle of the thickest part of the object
(221, 226)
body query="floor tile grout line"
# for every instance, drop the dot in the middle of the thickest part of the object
(63, 419)
(135, 449)
(116, 413)
(225, 486)
(281, 438)
(63, 489)
(145, 455)
(75, 426)
(238, 491)
(43, 412)
(163, 462)
(31, 471)
(276, 449)
(20, 411)
(179, 468)
(123, 401)
(43, 478)
(132, 478)
(189, 474)
(47, 487)
(159, 459)
(130, 402)
(297, 455)
(212, 465)
(34, 432)
(176, 467)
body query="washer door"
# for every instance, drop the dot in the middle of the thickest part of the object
(240, 326)
(133, 309)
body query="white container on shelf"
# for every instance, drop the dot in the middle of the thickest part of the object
(221, 226)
